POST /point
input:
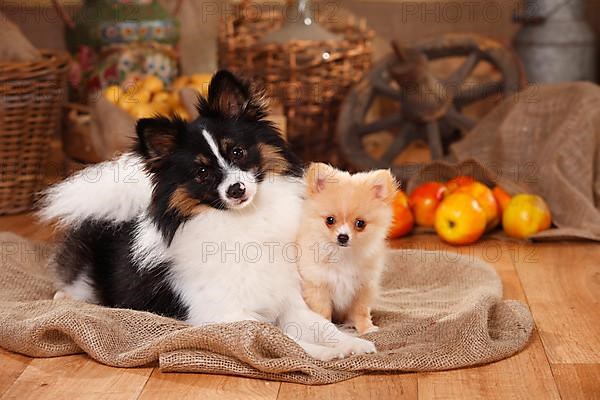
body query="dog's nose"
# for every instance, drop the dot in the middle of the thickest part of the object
(236, 190)
(343, 239)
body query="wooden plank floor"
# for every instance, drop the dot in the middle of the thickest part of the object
(559, 281)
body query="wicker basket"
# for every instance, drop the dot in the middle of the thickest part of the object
(32, 95)
(309, 79)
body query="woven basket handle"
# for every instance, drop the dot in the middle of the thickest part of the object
(62, 13)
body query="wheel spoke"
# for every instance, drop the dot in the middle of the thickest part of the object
(368, 104)
(435, 140)
(379, 125)
(383, 88)
(473, 94)
(462, 73)
(396, 146)
(458, 120)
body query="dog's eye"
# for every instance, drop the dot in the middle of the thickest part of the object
(360, 224)
(238, 153)
(201, 174)
(330, 220)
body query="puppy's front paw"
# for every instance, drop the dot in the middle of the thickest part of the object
(372, 329)
(363, 329)
(354, 346)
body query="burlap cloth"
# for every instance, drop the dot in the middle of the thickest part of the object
(546, 141)
(437, 312)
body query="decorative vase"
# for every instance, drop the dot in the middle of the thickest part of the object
(120, 41)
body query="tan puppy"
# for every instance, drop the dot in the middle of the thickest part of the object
(342, 237)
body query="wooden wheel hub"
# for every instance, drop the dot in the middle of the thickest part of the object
(430, 107)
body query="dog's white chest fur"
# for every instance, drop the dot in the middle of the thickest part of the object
(228, 265)
(344, 287)
(339, 271)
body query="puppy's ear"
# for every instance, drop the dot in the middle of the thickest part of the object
(318, 176)
(230, 97)
(383, 185)
(157, 137)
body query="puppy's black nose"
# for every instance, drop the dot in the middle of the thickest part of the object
(343, 239)
(236, 190)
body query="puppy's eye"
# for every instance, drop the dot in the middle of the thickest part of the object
(238, 153)
(330, 220)
(360, 224)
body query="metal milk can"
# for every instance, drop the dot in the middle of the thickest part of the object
(555, 42)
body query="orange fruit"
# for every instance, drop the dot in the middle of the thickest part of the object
(502, 198)
(403, 220)
(424, 200)
(459, 181)
(525, 215)
(460, 219)
(486, 200)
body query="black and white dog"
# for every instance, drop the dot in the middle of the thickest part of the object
(197, 223)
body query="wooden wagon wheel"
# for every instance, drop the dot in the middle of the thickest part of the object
(430, 108)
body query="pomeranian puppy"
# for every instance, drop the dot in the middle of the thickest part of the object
(342, 237)
(191, 223)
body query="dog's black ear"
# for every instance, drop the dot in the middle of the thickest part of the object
(230, 97)
(157, 137)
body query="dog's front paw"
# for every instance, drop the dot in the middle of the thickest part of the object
(354, 346)
(323, 353)
(60, 295)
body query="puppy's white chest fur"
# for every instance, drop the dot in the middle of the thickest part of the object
(341, 274)
(231, 265)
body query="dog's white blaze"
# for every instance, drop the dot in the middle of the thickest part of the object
(232, 175)
(215, 149)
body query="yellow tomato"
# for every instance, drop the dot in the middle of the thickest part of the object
(180, 82)
(152, 84)
(199, 87)
(182, 112)
(113, 93)
(174, 100)
(201, 78)
(142, 95)
(142, 110)
(200, 82)
(161, 107)
(161, 97)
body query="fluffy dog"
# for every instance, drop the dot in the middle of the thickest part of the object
(342, 236)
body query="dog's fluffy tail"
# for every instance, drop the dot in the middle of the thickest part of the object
(112, 191)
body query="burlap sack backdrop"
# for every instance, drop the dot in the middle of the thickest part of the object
(546, 141)
(438, 312)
